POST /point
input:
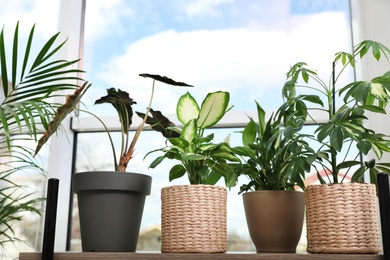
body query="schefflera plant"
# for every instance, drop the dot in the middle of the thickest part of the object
(204, 162)
(346, 126)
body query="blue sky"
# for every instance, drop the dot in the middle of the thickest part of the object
(244, 47)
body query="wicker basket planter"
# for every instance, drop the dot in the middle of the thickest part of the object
(193, 219)
(342, 218)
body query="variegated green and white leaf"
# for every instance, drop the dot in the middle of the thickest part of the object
(189, 131)
(213, 108)
(187, 108)
(378, 91)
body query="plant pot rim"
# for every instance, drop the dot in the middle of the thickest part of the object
(276, 191)
(111, 180)
(195, 185)
(343, 183)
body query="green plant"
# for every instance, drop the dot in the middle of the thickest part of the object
(203, 161)
(276, 156)
(345, 126)
(29, 82)
(122, 103)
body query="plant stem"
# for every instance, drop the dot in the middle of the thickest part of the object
(332, 109)
(109, 136)
(130, 151)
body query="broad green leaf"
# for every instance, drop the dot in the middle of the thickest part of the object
(213, 108)
(187, 108)
(189, 130)
(336, 139)
(261, 118)
(156, 162)
(224, 155)
(358, 175)
(176, 172)
(347, 164)
(249, 133)
(364, 147)
(212, 178)
(192, 157)
(179, 142)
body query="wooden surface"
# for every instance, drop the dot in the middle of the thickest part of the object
(112, 256)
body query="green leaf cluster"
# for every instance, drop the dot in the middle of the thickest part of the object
(28, 83)
(276, 156)
(203, 161)
(123, 104)
(345, 126)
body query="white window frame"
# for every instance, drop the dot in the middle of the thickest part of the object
(369, 19)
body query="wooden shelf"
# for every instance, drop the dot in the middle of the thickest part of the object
(85, 256)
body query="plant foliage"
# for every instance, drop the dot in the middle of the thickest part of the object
(29, 81)
(345, 126)
(122, 103)
(276, 156)
(203, 161)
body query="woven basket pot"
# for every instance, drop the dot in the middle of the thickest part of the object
(342, 218)
(193, 219)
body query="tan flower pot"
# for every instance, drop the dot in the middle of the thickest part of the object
(275, 219)
(193, 219)
(342, 218)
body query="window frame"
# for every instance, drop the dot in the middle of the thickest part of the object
(366, 20)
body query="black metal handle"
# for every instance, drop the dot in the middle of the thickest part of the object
(50, 219)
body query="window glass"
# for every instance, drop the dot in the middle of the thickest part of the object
(244, 47)
(44, 14)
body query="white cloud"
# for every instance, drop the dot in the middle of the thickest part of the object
(230, 60)
(42, 13)
(204, 7)
(103, 17)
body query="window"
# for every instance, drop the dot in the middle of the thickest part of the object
(244, 47)
(44, 14)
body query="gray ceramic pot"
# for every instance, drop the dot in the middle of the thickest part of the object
(275, 219)
(110, 209)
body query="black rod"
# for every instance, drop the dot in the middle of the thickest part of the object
(50, 219)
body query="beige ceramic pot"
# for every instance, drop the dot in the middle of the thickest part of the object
(275, 219)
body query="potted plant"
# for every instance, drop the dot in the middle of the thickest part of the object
(193, 217)
(29, 80)
(111, 202)
(342, 217)
(276, 158)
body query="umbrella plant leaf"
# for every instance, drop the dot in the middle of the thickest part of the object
(336, 138)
